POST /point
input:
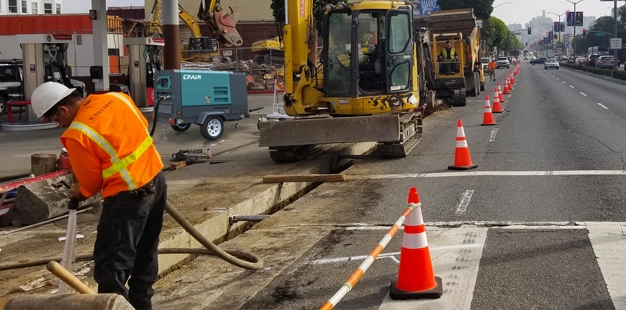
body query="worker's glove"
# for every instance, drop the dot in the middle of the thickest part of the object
(73, 204)
(145, 190)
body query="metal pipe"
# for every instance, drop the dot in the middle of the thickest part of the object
(171, 50)
(246, 218)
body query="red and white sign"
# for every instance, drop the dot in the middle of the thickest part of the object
(150, 96)
(302, 8)
(67, 37)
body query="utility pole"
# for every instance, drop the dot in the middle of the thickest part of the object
(614, 35)
(574, 40)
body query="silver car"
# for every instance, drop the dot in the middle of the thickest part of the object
(550, 63)
(605, 62)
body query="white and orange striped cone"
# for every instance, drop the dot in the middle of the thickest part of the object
(462, 158)
(499, 88)
(512, 79)
(487, 115)
(500, 97)
(416, 278)
(507, 90)
(497, 108)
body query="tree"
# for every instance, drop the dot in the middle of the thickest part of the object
(482, 8)
(319, 6)
(621, 13)
(511, 43)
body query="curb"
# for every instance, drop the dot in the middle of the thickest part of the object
(607, 78)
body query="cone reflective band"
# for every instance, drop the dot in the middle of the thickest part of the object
(497, 108)
(462, 158)
(500, 95)
(416, 278)
(487, 116)
(499, 88)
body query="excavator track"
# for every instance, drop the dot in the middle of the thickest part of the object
(290, 154)
(410, 136)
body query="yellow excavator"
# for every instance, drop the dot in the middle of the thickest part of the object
(362, 88)
(197, 47)
(269, 50)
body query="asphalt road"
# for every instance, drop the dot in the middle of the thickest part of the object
(538, 225)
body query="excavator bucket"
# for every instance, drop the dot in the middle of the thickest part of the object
(221, 22)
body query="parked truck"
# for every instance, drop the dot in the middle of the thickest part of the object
(454, 80)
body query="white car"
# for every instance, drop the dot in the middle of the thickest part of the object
(551, 63)
(502, 62)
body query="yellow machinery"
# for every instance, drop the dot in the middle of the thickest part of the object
(197, 48)
(270, 48)
(456, 80)
(221, 22)
(363, 87)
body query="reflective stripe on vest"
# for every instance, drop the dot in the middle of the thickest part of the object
(452, 53)
(128, 103)
(118, 165)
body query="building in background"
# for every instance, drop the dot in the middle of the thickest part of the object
(11, 7)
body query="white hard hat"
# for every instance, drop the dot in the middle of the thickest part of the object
(47, 95)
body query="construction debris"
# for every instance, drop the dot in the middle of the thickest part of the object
(260, 75)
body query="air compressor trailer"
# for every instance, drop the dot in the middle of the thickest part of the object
(206, 98)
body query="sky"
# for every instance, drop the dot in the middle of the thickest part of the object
(522, 11)
(509, 11)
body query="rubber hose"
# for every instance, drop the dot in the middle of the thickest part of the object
(156, 110)
(237, 258)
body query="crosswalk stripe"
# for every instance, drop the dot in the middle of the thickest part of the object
(609, 246)
(457, 267)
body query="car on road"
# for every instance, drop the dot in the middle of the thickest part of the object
(503, 62)
(538, 61)
(485, 61)
(605, 62)
(550, 63)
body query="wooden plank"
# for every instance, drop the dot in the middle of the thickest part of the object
(304, 178)
(178, 165)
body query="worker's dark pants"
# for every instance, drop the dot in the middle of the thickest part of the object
(127, 242)
(492, 75)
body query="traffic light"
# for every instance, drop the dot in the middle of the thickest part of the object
(529, 30)
(584, 32)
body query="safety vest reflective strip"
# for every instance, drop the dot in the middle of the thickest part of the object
(452, 53)
(118, 165)
(128, 103)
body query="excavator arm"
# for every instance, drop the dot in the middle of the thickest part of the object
(189, 21)
(221, 22)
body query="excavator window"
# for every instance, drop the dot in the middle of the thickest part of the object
(339, 49)
(399, 42)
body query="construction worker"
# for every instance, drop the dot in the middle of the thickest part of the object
(110, 150)
(448, 55)
(492, 69)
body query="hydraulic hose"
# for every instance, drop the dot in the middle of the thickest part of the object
(237, 258)
(156, 110)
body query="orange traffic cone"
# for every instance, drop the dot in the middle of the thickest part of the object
(497, 108)
(512, 78)
(487, 116)
(499, 88)
(416, 278)
(500, 97)
(506, 89)
(462, 158)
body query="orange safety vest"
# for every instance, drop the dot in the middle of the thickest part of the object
(113, 129)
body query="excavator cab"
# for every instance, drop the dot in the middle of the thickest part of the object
(368, 52)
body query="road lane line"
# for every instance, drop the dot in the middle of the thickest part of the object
(609, 246)
(558, 79)
(465, 200)
(458, 269)
(438, 226)
(571, 86)
(600, 104)
(486, 173)
(492, 137)
(564, 82)
(583, 94)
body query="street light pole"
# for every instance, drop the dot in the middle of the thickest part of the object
(502, 4)
(574, 3)
(614, 35)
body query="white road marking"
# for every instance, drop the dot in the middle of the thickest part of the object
(457, 268)
(571, 86)
(564, 82)
(583, 94)
(509, 96)
(465, 200)
(609, 246)
(558, 79)
(492, 136)
(440, 226)
(600, 104)
(486, 173)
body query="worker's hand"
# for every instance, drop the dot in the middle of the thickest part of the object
(77, 195)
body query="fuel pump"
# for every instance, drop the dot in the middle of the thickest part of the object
(144, 60)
